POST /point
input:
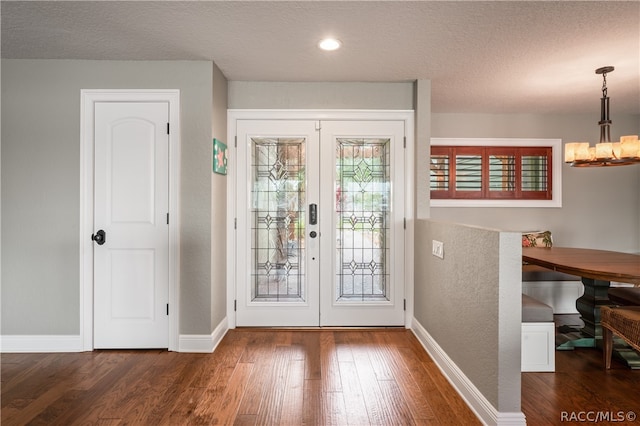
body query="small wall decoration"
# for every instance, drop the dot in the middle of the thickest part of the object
(219, 157)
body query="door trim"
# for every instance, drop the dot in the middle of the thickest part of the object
(88, 100)
(233, 115)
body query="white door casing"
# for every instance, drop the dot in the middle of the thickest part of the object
(140, 246)
(320, 184)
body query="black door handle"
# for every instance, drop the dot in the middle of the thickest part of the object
(313, 214)
(99, 237)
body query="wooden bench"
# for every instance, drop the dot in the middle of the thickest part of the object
(556, 289)
(538, 336)
(624, 322)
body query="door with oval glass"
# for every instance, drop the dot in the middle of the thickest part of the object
(320, 235)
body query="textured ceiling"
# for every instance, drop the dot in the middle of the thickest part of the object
(501, 56)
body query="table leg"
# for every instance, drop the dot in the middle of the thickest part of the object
(588, 305)
(596, 294)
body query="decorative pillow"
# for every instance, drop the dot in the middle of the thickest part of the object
(537, 239)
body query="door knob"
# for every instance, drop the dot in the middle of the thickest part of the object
(99, 237)
(313, 234)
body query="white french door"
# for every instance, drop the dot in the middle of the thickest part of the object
(362, 223)
(320, 236)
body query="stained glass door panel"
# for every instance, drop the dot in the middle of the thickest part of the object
(363, 192)
(278, 211)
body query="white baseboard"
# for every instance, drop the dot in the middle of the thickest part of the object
(40, 343)
(203, 343)
(485, 411)
(71, 343)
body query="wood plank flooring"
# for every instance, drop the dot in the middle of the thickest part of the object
(581, 386)
(255, 377)
(290, 377)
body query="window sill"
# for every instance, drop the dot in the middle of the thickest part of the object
(497, 203)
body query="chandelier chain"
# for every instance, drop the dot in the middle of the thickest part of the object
(604, 84)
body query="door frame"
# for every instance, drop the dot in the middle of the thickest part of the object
(88, 99)
(407, 116)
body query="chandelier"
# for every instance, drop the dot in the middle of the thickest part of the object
(605, 153)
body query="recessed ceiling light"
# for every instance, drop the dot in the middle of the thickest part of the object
(329, 44)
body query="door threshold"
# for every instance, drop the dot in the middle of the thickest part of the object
(324, 328)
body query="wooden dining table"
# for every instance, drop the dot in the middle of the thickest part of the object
(597, 269)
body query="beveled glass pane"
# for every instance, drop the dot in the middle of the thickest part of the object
(502, 173)
(278, 214)
(534, 173)
(363, 197)
(439, 178)
(468, 172)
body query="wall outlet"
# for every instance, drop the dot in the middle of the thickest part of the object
(438, 249)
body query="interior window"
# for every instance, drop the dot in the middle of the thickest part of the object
(481, 172)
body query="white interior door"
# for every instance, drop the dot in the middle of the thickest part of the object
(320, 223)
(131, 207)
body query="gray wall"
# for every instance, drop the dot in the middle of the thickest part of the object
(600, 206)
(219, 206)
(422, 103)
(41, 186)
(268, 95)
(470, 304)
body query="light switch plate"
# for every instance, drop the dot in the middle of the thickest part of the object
(438, 249)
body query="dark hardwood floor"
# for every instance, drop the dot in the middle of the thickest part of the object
(290, 377)
(581, 389)
(255, 377)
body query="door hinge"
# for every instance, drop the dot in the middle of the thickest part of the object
(318, 125)
(405, 304)
(235, 143)
(405, 142)
(235, 305)
(405, 223)
(168, 128)
(235, 223)
(167, 218)
(167, 309)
